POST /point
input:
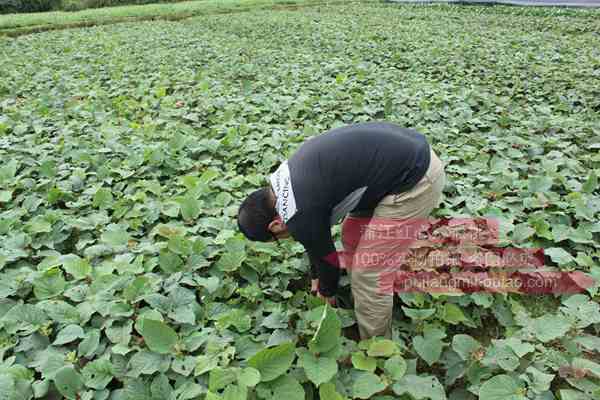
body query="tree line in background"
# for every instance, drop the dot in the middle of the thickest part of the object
(26, 6)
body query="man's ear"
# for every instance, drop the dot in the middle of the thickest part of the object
(276, 226)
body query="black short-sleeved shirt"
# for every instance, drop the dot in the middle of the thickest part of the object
(345, 169)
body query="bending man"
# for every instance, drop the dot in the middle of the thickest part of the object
(370, 169)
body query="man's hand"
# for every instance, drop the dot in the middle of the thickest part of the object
(330, 300)
(314, 286)
(314, 289)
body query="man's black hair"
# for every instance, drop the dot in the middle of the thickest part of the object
(255, 214)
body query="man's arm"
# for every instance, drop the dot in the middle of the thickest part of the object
(328, 274)
(312, 229)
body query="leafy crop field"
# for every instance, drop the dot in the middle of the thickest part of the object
(126, 149)
(25, 23)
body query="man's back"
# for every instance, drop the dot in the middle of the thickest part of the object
(379, 158)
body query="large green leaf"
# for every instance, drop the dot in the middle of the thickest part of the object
(69, 334)
(159, 337)
(550, 327)
(205, 364)
(501, 387)
(559, 255)
(49, 284)
(115, 236)
(68, 382)
(420, 387)
(465, 346)
(220, 378)
(249, 377)
(328, 332)
(382, 348)
(539, 183)
(362, 362)
(327, 392)
(98, 374)
(591, 183)
(274, 361)
(8, 387)
(147, 363)
(284, 387)
(502, 356)
(77, 267)
(318, 369)
(235, 392)
(190, 208)
(540, 381)
(429, 346)
(103, 198)
(395, 367)
(417, 314)
(366, 384)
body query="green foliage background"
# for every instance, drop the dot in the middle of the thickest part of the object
(126, 149)
(28, 6)
(18, 6)
(76, 5)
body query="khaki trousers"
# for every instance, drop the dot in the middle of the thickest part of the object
(372, 305)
